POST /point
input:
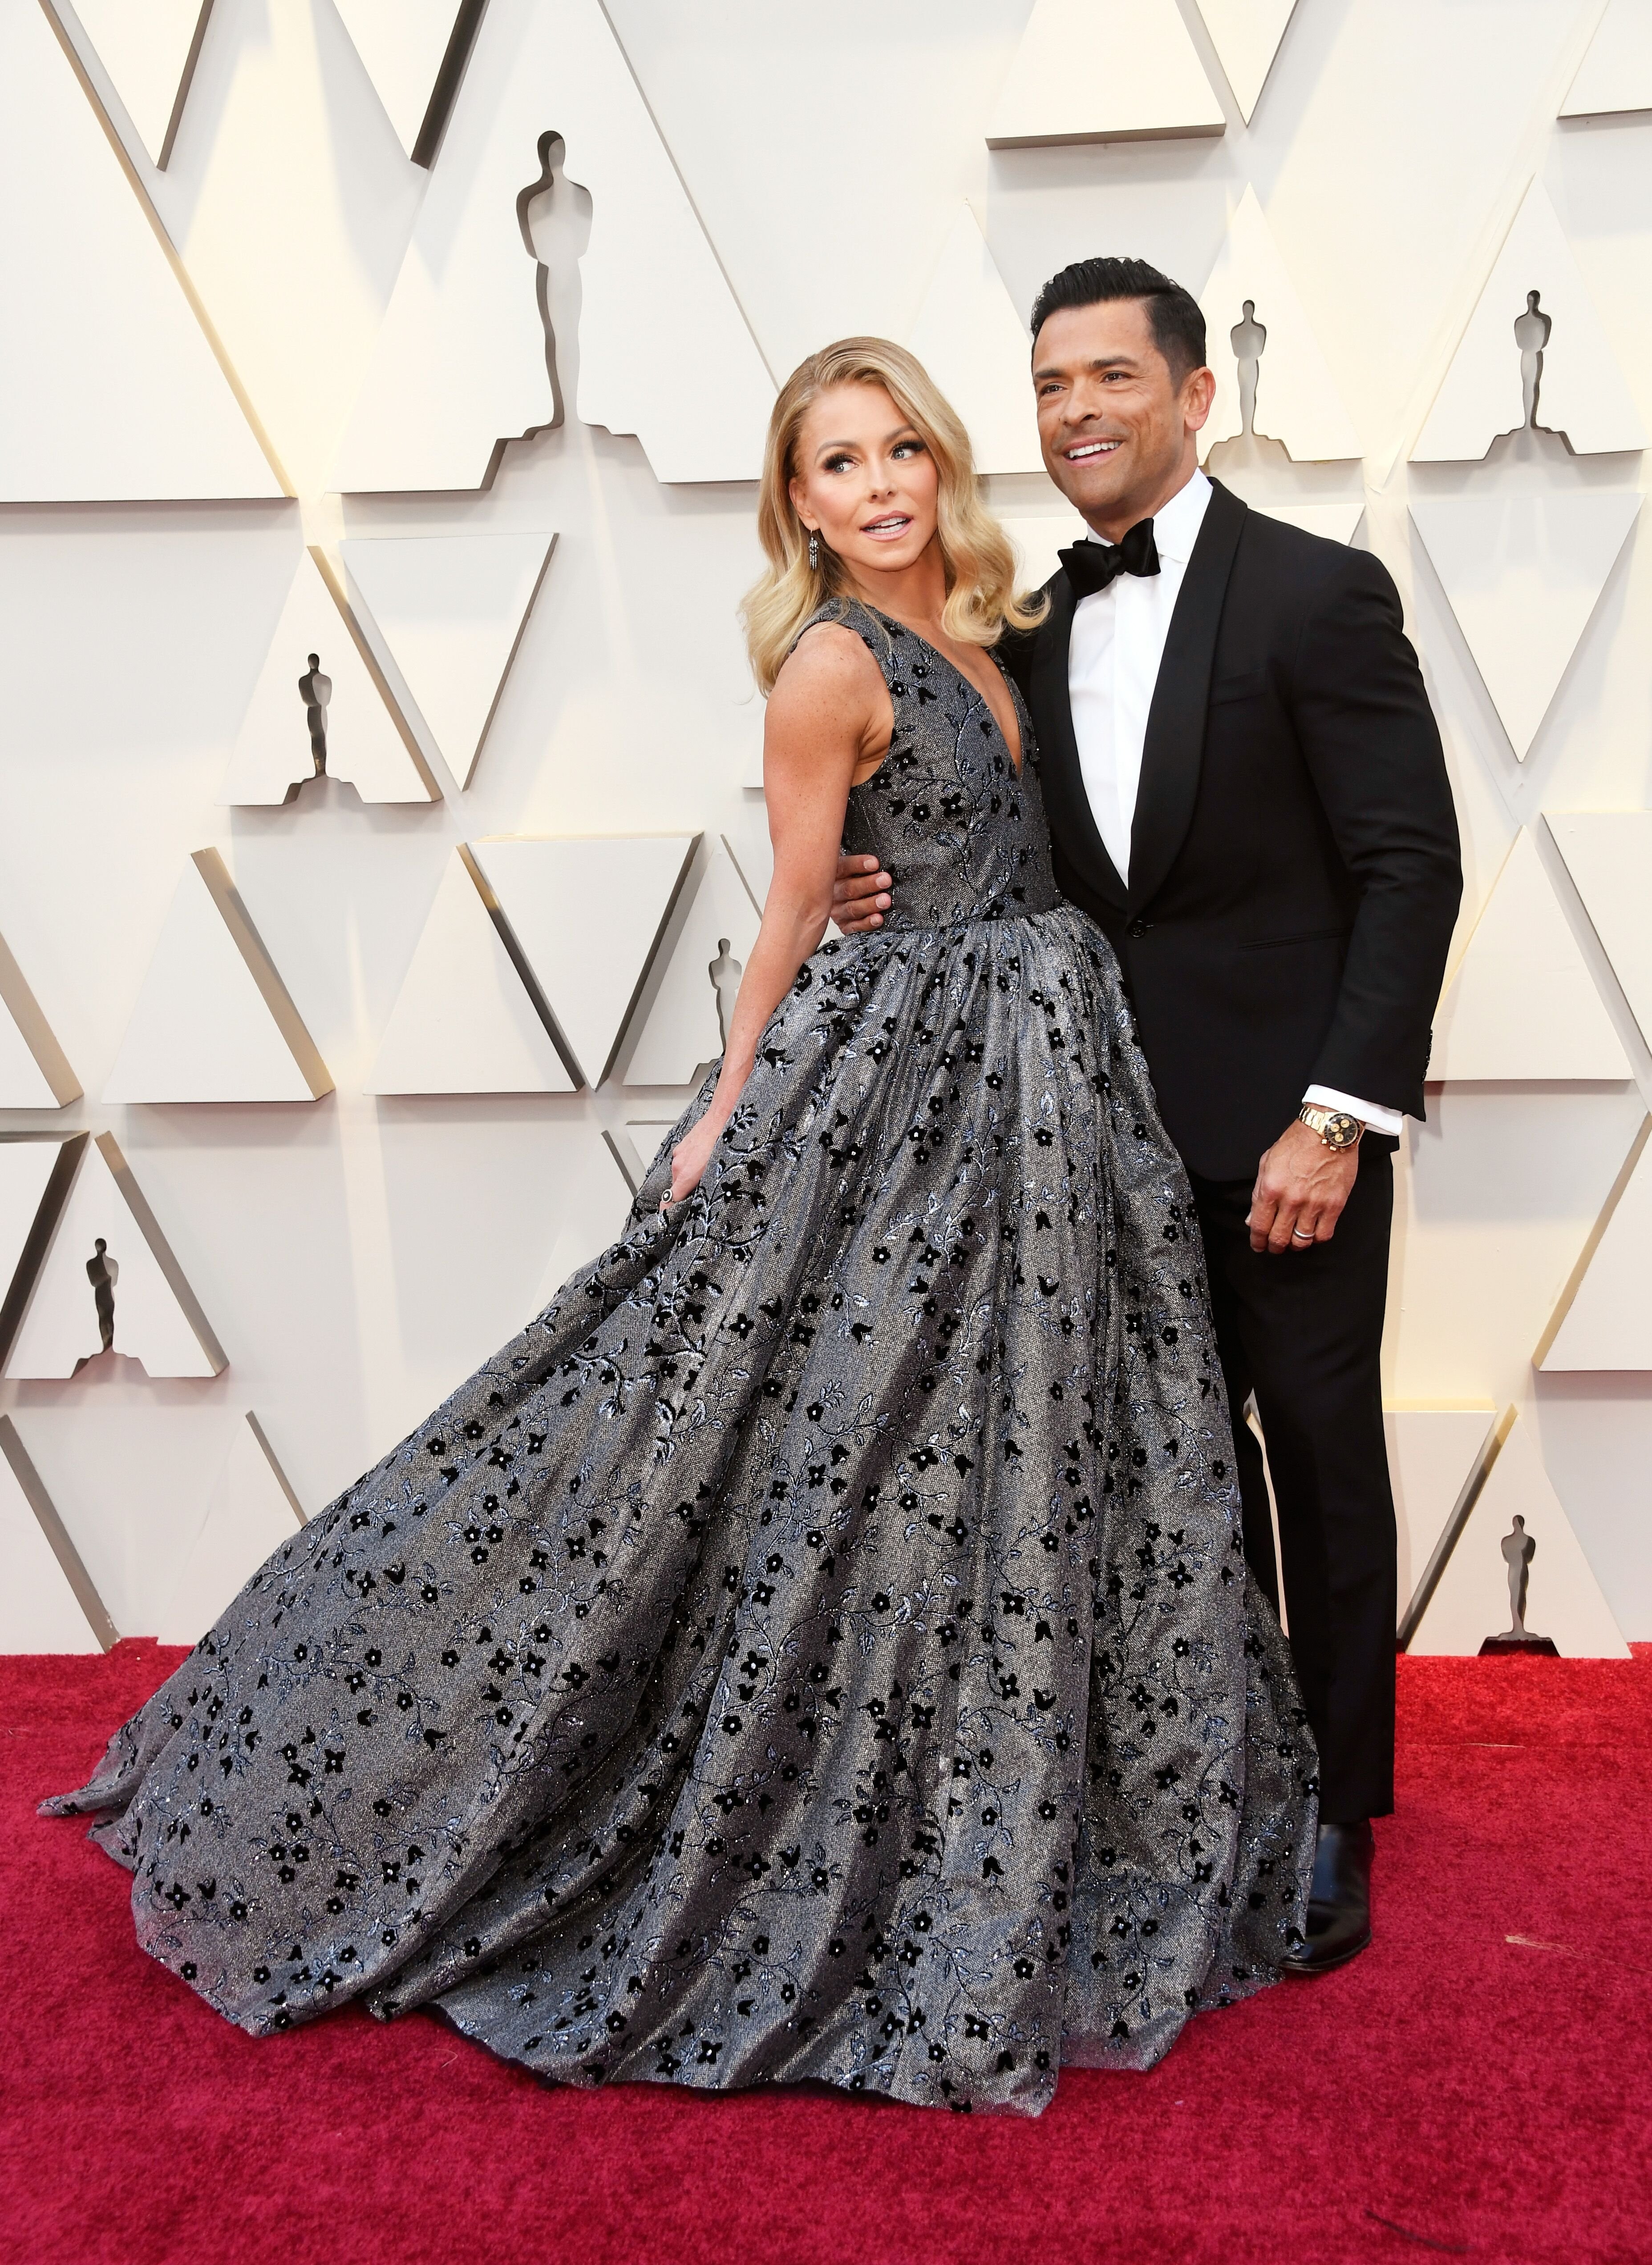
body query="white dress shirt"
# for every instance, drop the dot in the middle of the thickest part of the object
(1113, 656)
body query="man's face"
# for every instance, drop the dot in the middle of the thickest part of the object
(1116, 428)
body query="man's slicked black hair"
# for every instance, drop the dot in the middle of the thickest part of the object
(1178, 327)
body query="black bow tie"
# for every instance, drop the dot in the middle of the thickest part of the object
(1092, 566)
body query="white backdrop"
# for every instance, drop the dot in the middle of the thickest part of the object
(758, 178)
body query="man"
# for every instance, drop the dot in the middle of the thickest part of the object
(1246, 791)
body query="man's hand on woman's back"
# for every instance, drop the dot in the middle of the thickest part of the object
(859, 895)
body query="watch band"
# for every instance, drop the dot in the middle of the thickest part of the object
(1336, 1127)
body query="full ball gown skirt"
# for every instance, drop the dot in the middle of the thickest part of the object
(819, 1645)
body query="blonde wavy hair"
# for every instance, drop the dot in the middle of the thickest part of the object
(979, 562)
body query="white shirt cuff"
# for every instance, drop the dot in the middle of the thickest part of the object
(1375, 1120)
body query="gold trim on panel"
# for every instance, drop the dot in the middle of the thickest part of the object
(57, 1537)
(24, 1008)
(1451, 1533)
(273, 1461)
(210, 865)
(510, 660)
(336, 590)
(519, 961)
(186, 80)
(149, 1227)
(197, 306)
(1585, 1257)
(38, 1240)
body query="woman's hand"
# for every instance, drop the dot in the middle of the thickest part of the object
(691, 1155)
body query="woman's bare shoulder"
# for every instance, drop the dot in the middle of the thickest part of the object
(829, 665)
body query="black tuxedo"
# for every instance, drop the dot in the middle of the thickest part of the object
(1293, 882)
(1293, 865)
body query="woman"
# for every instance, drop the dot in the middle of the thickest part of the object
(819, 1645)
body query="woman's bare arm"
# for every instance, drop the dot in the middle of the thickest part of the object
(822, 725)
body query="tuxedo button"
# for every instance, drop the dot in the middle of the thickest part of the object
(1138, 927)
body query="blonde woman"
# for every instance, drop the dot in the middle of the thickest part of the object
(819, 1645)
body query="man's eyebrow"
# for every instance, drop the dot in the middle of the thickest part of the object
(1100, 361)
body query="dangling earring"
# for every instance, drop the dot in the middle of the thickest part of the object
(814, 550)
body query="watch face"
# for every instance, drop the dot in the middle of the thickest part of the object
(1341, 1130)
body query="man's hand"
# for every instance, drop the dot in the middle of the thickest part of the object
(859, 895)
(1301, 1186)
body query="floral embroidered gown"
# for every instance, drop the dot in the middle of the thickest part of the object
(819, 1645)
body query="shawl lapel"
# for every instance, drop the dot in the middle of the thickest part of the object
(1072, 826)
(1174, 748)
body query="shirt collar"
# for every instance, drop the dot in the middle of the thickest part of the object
(1177, 524)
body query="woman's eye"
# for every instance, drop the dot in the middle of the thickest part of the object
(837, 463)
(908, 449)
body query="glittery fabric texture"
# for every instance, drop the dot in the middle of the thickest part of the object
(819, 1645)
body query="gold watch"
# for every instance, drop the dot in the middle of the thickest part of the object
(1334, 1126)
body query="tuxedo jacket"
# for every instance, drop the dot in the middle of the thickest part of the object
(1294, 872)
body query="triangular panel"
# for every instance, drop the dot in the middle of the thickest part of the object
(1580, 389)
(109, 390)
(1523, 1004)
(402, 44)
(1602, 1318)
(1333, 522)
(593, 1192)
(318, 693)
(1103, 71)
(148, 1308)
(1616, 74)
(148, 49)
(1245, 35)
(459, 362)
(36, 1175)
(47, 1602)
(1523, 571)
(971, 341)
(452, 609)
(1433, 1453)
(34, 1071)
(685, 1024)
(644, 1136)
(1608, 854)
(1471, 1600)
(131, 1474)
(214, 1020)
(1037, 540)
(251, 1513)
(587, 913)
(464, 1020)
(1296, 400)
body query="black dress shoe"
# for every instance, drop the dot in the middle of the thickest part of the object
(1339, 1901)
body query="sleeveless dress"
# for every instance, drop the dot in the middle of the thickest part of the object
(818, 1646)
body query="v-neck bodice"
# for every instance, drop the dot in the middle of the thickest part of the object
(946, 812)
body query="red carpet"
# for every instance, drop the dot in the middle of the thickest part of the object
(1480, 2084)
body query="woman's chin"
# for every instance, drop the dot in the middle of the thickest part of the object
(885, 557)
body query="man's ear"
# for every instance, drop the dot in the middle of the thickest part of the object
(1198, 395)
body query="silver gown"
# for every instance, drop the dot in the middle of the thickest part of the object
(819, 1645)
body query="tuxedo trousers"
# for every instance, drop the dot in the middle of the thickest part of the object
(1302, 1331)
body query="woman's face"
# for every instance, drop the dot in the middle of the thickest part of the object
(865, 481)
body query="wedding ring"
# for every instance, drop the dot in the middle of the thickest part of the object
(1297, 1236)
